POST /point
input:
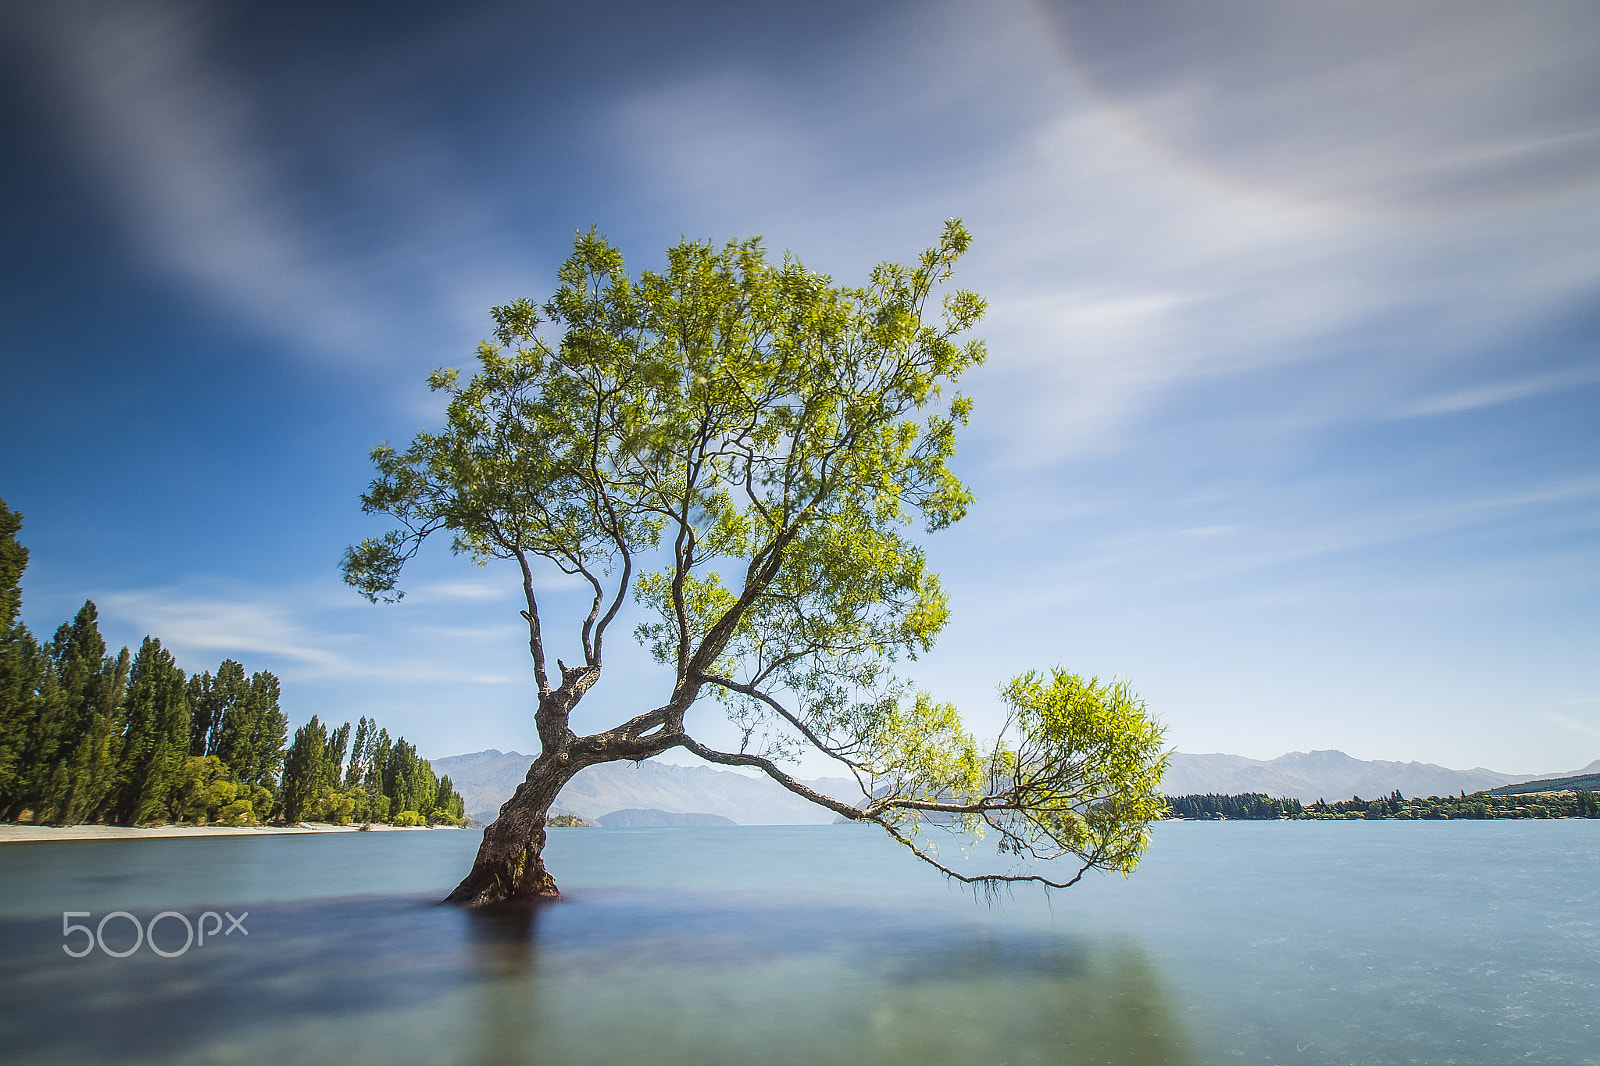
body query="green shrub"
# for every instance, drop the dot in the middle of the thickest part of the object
(440, 816)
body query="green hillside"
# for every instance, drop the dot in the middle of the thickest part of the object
(1579, 783)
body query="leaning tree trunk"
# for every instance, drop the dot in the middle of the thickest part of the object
(509, 869)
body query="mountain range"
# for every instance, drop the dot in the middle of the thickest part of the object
(1330, 775)
(1585, 780)
(486, 779)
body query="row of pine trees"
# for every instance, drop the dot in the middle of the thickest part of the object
(123, 739)
(1250, 806)
(330, 777)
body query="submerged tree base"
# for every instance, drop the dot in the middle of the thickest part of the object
(494, 898)
(524, 882)
(509, 868)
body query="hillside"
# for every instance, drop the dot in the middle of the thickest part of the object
(1330, 775)
(1585, 780)
(486, 779)
(636, 819)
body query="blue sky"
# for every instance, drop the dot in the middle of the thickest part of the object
(1292, 411)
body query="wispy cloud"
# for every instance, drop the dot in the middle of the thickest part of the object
(175, 140)
(1472, 399)
(1123, 264)
(459, 590)
(204, 625)
(297, 636)
(1573, 724)
(1433, 105)
(195, 161)
(1288, 538)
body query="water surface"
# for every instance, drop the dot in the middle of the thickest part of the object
(1378, 942)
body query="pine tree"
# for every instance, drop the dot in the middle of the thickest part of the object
(91, 687)
(37, 735)
(397, 778)
(253, 730)
(223, 710)
(13, 561)
(378, 763)
(375, 772)
(333, 764)
(155, 737)
(209, 701)
(360, 753)
(23, 666)
(21, 663)
(449, 800)
(304, 769)
(59, 704)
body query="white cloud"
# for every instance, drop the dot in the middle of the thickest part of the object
(212, 185)
(1119, 269)
(1437, 105)
(173, 139)
(1472, 399)
(293, 634)
(1116, 280)
(459, 590)
(195, 624)
(1573, 724)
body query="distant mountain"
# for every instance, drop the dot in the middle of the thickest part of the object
(1330, 775)
(634, 819)
(486, 780)
(1585, 780)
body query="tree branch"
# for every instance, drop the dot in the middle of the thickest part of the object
(535, 640)
(856, 814)
(837, 806)
(794, 720)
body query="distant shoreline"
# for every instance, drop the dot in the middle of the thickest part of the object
(19, 834)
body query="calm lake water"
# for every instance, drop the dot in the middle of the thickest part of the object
(1383, 942)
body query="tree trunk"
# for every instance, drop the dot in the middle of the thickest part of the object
(509, 869)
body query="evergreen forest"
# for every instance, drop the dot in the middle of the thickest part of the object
(129, 739)
(1479, 805)
(1251, 806)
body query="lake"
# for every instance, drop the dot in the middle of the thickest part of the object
(1235, 942)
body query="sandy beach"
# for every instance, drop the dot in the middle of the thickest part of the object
(13, 834)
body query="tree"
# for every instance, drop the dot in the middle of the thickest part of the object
(250, 734)
(743, 447)
(360, 753)
(210, 699)
(90, 685)
(305, 772)
(448, 804)
(155, 739)
(205, 791)
(408, 781)
(22, 667)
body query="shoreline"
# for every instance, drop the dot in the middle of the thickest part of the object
(18, 834)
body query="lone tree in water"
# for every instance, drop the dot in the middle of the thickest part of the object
(742, 447)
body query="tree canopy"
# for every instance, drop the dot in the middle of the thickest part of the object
(747, 449)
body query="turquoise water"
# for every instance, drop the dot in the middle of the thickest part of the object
(1383, 942)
